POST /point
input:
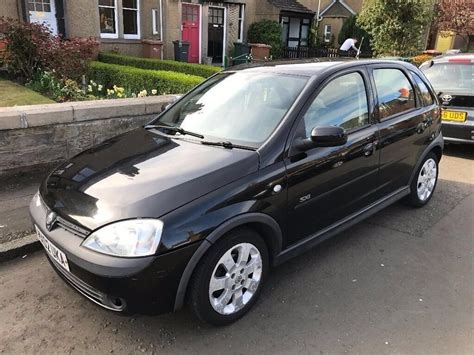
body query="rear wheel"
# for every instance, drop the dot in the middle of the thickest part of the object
(424, 183)
(229, 279)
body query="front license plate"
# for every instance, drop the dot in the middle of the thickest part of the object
(54, 252)
(456, 116)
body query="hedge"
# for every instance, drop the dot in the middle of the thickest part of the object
(155, 64)
(135, 79)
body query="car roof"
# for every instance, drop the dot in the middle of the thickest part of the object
(453, 58)
(310, 67)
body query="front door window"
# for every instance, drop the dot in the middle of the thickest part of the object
(342, 102)
(44, 12)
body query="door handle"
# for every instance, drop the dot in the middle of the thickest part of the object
(369, 149)
(428, 120)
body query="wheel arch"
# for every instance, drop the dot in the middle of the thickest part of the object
(438, 151)
(265, 225)
(435, 147)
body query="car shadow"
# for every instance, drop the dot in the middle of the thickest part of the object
(465, 151)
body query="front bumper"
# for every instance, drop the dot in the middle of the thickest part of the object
(459, 132)
(146, 285)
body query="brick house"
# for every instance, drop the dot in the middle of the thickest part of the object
(296, 16)
(332, 15)
(149, 27)
(140, 27)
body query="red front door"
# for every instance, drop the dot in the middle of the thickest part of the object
(190, 32)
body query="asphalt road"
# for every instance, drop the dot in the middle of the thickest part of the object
(400, 282)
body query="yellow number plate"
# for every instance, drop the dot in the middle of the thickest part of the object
(453, 116)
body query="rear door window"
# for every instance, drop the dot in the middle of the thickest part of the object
(394, 91)
(425, 92)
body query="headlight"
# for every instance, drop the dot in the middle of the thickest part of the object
(132, 238)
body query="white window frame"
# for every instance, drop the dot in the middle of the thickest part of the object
(154, 13)
(326, 33)
(241, 22)
(110, 35)
(137, 10)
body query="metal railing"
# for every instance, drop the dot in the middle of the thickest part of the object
(310, 52)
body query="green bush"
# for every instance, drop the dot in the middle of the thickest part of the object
(266, 32)
(135, 79)
(204, 71)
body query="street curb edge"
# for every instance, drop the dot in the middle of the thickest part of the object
(19, 247)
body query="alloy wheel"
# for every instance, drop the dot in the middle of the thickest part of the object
(235, 278)
(427, 179)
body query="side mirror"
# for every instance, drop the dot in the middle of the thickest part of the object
(164, 107)
(327, 136)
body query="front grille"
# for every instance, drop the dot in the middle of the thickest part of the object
(88, 291)
(460, 101)
(78, 283)
(71, 227)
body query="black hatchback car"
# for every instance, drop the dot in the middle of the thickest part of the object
(249, 169)
(452, 77)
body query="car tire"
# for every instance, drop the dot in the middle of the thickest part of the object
(424, 182)
(224, 285)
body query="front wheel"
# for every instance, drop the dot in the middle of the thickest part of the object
(230, 277)
(424, 183)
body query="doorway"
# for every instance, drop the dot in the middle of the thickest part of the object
(43, 11)
(191, 23)
(216, 34)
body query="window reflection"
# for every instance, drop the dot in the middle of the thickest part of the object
(342, 102)
(241, 107)
(394, 92)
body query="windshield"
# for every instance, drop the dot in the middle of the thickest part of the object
(451, 77)
(242, 107)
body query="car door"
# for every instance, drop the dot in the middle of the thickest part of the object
(404, 125)
(327, 184)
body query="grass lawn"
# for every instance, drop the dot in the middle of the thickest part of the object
(12, 94)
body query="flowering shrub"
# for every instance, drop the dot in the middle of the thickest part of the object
(68, 58)
(31, 47)
(59, 90)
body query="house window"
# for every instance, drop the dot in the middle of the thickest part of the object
(285, 24)
(131, 19)
(39, 5)
(304, 32)
(295, 31)
(216, 16)
(157, 17)
(108, 18)
(327, 33)
(240, 37)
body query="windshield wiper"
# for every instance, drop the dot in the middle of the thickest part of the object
(175, 129)
(229, 145)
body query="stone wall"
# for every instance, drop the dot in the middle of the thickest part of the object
(32, 136)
